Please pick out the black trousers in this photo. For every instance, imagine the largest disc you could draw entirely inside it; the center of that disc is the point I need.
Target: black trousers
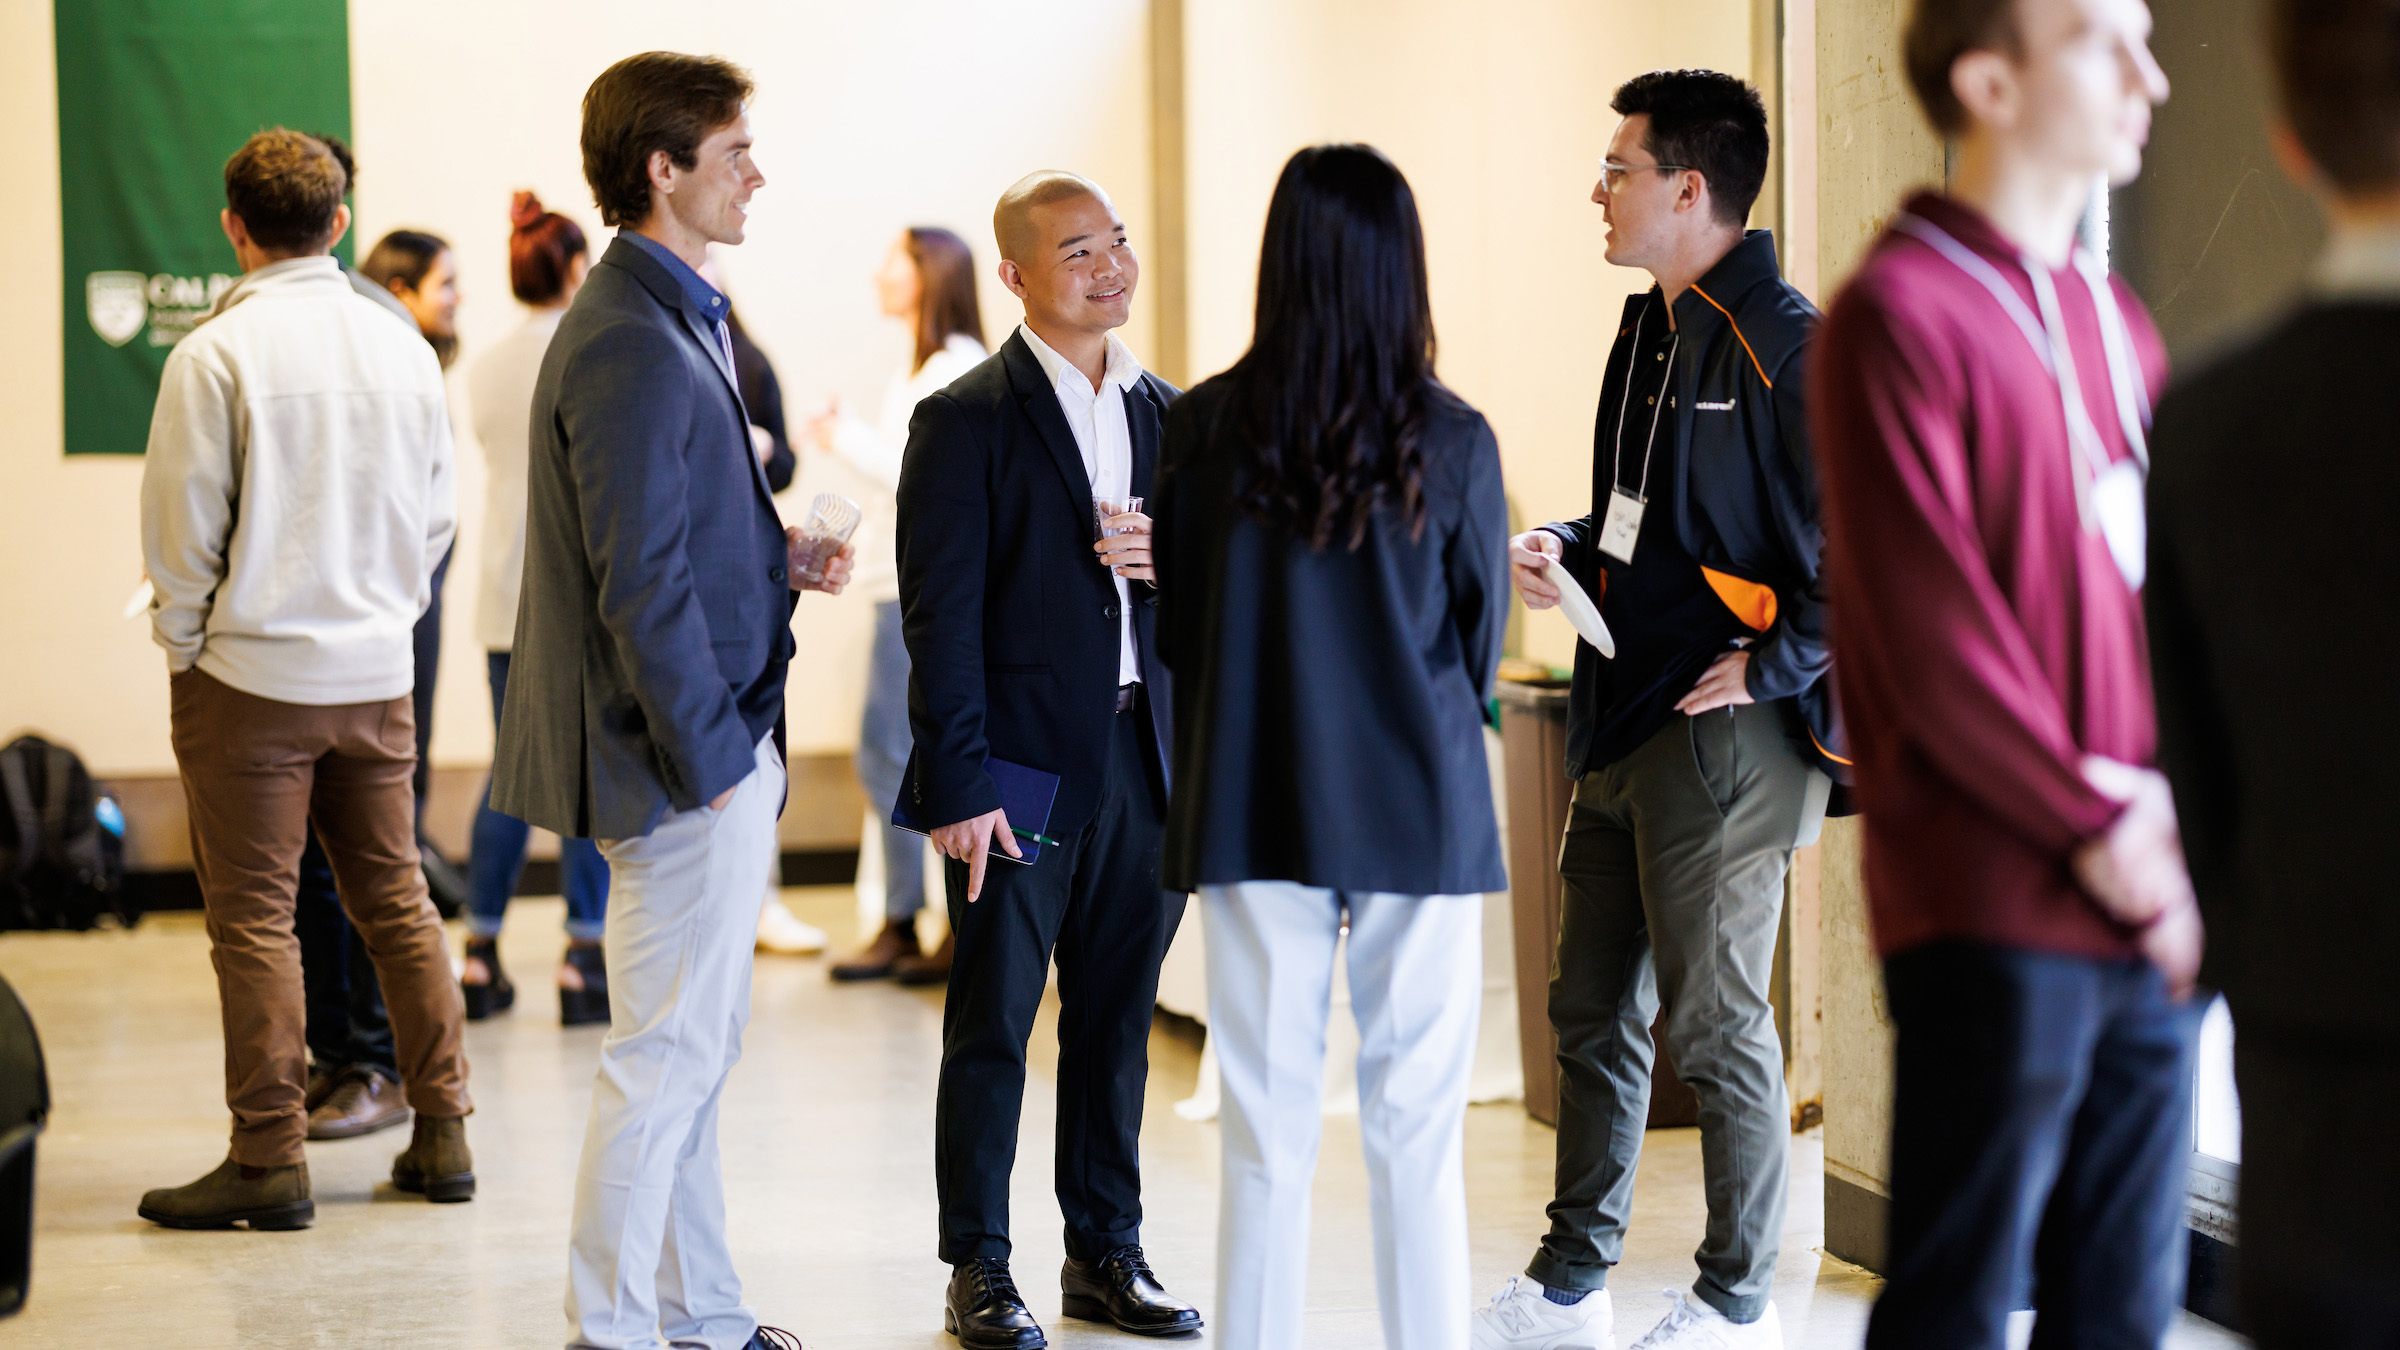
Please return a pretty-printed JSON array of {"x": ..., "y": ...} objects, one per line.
[
  {"x": 1095, "y": 904},
  {"x": 2041, "y": 1139},
  {"x": 347, "y": 1024},
  {"x": 2317, "y": 1247}
]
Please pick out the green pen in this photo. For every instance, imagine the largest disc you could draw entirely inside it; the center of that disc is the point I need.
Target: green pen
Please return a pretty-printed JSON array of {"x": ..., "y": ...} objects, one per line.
[{"x": 1037, "y": 838}]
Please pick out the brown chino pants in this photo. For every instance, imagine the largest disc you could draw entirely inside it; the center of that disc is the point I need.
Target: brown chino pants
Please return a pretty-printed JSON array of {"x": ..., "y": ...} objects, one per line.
[{"x": 256, "y": 773}]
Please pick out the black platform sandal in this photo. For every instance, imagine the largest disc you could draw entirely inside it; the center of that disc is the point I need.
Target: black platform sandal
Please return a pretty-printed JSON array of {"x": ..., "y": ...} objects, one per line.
[
  {"x": 495, "y": 994},
  {"x": 584, "y": 1005}
]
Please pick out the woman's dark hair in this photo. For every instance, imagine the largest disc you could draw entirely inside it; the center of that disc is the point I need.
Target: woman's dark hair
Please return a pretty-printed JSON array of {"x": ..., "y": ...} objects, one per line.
[
  {"x": 1333, "y": 395},
  {"x": 647, "y": 103},
  {"x": 405, "y": 254},
  {"x": 542, "y": 247},
  {"x": 946, "y": 300},
  {"x": 1705, "y": 120}
]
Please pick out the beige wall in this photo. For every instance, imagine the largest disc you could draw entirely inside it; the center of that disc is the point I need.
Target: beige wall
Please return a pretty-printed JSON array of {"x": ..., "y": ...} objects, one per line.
[
  {"x": 868, "y": 117},
  {"x": 1498, "y": 115},
  {"x": 1873, "y": 146}
]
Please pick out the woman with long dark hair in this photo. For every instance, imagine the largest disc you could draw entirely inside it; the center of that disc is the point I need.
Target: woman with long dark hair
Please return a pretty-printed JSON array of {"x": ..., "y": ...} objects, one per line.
[
  {"x": 927, "y": 281},
  {"x": 1333, "y": 584}
]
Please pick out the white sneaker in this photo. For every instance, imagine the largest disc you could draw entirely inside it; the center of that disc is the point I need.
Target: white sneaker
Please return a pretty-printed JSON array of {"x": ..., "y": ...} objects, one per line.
[
  {"x": 1693, "y": 1325},
  {"x": 1519, "y": 1318},
  {"x": 781, "y": 931}
]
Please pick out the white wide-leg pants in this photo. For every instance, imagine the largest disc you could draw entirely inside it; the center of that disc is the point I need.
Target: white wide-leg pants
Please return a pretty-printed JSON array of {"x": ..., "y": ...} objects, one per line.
[
  {"x": 1416, "y": 970},
  {"x": 647, "y": 1264}
]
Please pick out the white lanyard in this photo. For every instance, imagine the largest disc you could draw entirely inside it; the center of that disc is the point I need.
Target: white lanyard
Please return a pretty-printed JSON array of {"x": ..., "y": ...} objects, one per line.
[
  {"x": 1621, "y": 527},
  {"x": 2107, "y": 495}
]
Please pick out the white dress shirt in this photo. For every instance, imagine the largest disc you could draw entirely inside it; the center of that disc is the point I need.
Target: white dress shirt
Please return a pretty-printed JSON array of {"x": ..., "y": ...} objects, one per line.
[{"x": 1097, "y": 417}]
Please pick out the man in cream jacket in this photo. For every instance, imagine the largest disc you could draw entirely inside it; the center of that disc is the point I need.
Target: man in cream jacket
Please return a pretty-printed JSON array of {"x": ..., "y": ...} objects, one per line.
[{"x": 297, "y": 495}]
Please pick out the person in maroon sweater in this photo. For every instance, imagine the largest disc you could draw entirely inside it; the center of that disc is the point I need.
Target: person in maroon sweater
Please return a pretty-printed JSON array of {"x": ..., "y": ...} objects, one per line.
[{"x": 1981, "y": 395}]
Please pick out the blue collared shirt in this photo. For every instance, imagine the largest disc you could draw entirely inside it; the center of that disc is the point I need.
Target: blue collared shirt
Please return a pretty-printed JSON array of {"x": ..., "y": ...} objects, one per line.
[{"x": 710, "y": 301}]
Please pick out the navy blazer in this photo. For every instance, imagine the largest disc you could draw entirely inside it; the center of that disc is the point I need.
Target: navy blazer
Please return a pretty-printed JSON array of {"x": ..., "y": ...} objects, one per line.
[
  {"x": 1011, "y": 622},
  {"x": 1329, "y": 702},
  {"x": 654, "y": 627}
]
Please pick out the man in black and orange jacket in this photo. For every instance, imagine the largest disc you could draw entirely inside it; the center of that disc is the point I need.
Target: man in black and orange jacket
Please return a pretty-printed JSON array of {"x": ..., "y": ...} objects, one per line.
[{"x": 1701, "y": 749}]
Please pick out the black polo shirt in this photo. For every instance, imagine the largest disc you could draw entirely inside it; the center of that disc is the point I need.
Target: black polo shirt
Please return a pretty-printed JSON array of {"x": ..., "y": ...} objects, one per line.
[{"x": 1668, "y": 622}]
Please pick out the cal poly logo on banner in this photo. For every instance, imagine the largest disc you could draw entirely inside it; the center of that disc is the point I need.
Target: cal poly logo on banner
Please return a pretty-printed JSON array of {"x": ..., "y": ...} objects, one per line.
[
  {"x": 120, "y": 303},
  {"x": 116, "y": 305}
]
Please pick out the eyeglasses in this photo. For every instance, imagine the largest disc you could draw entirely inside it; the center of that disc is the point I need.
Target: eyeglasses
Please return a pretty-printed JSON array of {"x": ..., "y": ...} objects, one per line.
[{"x": 1614, "y": 172}]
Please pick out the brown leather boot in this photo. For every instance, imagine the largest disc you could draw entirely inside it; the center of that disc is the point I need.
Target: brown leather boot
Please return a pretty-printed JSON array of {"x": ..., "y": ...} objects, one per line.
[
  {"x": 437, "y": 1164},
  {"x": 897, "y": 942},
  {"x": 363, "y": 1101},
  {"x": 925, "y": 971},
  {"x": 266, "y": 1198}
]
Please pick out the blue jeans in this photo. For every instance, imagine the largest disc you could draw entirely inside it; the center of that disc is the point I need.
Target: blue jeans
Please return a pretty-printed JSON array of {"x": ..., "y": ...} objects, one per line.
[
  {"x": 499, "y": 857},
  {"x": 2041, "y": 1138},
  {"x": 883, "y": 745}
]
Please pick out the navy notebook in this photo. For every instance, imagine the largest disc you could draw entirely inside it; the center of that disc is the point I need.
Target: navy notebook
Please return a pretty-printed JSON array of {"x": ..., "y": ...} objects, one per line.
[{"x": 1025, "y": 794}]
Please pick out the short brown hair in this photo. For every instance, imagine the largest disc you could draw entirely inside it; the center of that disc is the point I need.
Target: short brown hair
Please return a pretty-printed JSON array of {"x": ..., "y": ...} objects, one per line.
[
  {"x": 286, "y": 187},
  {"x": 647, "y": 103},
  {"x": 2337, "y": 63},
  {"x": 1940, "y": 32}
]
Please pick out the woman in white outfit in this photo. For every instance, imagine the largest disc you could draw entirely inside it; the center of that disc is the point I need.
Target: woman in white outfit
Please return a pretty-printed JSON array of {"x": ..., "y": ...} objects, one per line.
[
  {"x": 1331, "y": 539},
  {"x": 547, "y": 260},
  {"x": 927, "y": 281}
]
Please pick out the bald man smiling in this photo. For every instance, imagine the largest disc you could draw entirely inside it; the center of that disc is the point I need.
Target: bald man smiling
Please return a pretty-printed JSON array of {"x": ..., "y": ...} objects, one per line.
[{"x": 1030, "y": 644}]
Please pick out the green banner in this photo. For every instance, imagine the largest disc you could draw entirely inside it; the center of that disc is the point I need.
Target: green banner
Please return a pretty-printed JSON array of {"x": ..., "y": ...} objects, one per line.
[{"x": 153, "y": 97}]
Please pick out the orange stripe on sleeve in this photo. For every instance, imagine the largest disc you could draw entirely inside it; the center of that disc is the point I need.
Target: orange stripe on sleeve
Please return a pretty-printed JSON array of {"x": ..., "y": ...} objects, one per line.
[{"x": 1737, "y": 332}]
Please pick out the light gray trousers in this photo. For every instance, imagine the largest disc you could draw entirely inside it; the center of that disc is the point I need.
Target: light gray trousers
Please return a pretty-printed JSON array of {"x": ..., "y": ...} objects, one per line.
[
  {"x": 1674, "y": 862},
  {"x": 647, "y": 1262}
]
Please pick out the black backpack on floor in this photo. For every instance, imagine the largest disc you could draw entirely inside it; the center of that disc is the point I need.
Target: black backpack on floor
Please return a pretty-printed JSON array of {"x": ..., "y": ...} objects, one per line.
[{"x": 62, "y": 843}]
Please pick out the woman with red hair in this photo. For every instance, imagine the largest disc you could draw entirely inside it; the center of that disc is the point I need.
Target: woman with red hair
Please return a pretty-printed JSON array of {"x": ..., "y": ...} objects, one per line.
[{"x": 547, "y": 259}]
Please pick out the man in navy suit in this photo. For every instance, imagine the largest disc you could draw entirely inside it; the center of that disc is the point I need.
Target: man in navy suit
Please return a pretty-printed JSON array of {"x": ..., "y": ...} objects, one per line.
[
  {"x": 645, "y": 702},
  {"x": 1030, "y": 641}
]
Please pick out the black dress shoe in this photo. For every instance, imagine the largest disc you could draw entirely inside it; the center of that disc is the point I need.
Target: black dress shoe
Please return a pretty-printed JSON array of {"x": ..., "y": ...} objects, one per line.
[
  {"x": 1119, "y": 1289},
  {"x": 984, "y": 1310}
]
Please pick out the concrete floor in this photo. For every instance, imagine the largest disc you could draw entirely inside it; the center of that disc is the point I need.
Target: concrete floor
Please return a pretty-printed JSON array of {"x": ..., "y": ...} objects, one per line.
[{"x": 828, "y": 1137}]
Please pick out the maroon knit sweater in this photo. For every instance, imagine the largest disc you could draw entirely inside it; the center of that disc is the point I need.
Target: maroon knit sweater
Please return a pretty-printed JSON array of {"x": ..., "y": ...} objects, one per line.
[{"x": 1983, "y": 641}]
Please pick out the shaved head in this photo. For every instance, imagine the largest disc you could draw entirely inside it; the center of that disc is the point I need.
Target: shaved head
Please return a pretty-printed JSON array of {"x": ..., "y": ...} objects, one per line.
[{"x": 1012, "y": 219}]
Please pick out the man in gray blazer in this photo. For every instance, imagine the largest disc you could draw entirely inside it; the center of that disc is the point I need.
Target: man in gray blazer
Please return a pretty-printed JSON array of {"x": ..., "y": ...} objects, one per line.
[{"x": 646, "y": 697}]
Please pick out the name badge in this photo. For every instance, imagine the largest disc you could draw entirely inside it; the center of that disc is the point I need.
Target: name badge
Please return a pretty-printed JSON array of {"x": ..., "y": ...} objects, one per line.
[
  {"x": 1622, "y": 526},
  {"x": 2124, "y": 521}
]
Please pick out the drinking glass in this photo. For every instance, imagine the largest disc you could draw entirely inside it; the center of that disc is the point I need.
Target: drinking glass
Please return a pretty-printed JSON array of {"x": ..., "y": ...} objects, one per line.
[
  {"x": 1105, "y": 507},
  {"x": 831, "y": 520}
]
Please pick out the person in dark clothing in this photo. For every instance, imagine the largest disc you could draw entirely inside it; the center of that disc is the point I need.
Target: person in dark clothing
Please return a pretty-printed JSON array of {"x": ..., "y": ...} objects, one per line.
[
  {"x": 1700, "y": 750},
  {"x": 1027, "y": 648},
  {"x": 1334, "y": 641},
  {"x": 762, "y": 396},
  {"x": 2271, "y": 536}
]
